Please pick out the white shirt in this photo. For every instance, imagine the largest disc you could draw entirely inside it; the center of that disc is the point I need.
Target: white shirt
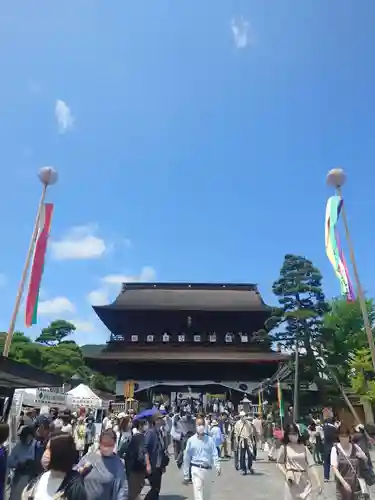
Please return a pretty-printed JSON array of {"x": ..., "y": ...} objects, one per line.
[
  {"x": 168, "y": 424},
  {"x": 107, "y": 424},
  {"x": 48, "y": 485},
  {"x": 68, "y": 429},
  {"x": 58, "y": 423},
  {"x": 319, "y": 429},
  {"x": 176, "y": 429},
  {"x": 258, "y": 424}
]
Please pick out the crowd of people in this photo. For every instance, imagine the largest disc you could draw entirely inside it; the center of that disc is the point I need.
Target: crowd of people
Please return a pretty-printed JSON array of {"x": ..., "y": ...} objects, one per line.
[
  {"x": 62, "y": 456},
  {"x": 59, "y": 455}
]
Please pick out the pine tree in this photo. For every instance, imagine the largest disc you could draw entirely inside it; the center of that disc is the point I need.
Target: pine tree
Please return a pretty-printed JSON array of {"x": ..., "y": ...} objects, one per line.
[
  {"x": 56, "y": 333},
  {"x": 299, "y": 319}
]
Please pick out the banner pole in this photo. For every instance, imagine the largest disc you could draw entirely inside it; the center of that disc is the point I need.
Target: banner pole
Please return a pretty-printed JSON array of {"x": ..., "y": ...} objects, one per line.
[
  {"x": 25, "y": 271},
  {"x": 47, "y": 176}
]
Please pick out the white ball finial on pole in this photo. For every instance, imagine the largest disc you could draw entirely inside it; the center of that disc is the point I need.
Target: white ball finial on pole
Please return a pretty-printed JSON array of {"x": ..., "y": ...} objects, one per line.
[
  {"x": 48, "y": 176},
  {"x": 336, "y": 178}
]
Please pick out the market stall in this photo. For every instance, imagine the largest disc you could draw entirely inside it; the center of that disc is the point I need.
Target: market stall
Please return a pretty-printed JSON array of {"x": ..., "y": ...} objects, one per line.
[{"x": 83, "y": 396}]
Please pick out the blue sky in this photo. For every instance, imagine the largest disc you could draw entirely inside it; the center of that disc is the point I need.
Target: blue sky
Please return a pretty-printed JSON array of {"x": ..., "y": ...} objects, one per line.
[{"x": 192, "y": 141}]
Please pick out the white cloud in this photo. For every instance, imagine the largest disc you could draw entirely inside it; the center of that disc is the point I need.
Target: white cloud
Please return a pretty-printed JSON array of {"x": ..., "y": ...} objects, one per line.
[
  {"x": 147, "y": 274},
  {"x": 3, "y": 280},
  {"x": 64, "y": 117},
  {"x": 83, "y": 326},
  {"x": 102, "y": 296},
  {"x": 240, "y": 30},
  {"x": 99, "y": 297},
  {"x": 80, "y": 243},
  {"x": 58, "y": 305}
]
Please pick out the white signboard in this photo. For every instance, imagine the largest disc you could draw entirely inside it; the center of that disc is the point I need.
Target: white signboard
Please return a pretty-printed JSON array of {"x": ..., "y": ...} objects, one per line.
[
  {"x": 85, "y": 402},
  {"x": 50, "y": 398}
]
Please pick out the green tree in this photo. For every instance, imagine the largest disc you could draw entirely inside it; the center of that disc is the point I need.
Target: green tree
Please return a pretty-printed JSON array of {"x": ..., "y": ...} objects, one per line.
[
  {"x": 18, "y": 337},
  {"x": 344, "y": 335},
  {"x": 56, "y": 333},
  {"x": 52, "y": 353},
  {"x": 299, "y": 319},
  {"x": 103, "y": 383},
  {"x": 28, "y": 353},
  {"x": 362, "y": 374},
  {"x": 23, "y": 349},
  {"x": 64, "y": 359}
]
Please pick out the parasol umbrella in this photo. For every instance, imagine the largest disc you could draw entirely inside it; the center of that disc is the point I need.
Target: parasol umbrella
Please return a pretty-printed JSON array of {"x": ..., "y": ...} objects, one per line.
[{"x": 149, "y": 413}]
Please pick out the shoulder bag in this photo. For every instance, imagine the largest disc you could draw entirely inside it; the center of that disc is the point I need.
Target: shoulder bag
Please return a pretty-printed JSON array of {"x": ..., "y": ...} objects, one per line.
[
  {"x": 364, "y": 492},
  {"x": 365, "y": 470}
]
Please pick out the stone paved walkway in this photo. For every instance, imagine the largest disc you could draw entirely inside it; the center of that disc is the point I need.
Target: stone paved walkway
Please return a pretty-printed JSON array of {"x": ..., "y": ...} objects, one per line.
[{"x": 266, "y": 483}]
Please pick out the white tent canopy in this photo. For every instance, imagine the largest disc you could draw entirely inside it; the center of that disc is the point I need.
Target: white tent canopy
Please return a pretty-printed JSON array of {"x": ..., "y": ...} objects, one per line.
[
  {"x": 82, "y": 395},
  {"x": 83, "y": 391}
]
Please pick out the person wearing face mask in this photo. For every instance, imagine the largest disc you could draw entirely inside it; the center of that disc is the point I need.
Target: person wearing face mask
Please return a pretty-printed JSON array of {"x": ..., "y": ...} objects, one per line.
[
  {"x": 345, "y": 462},
  {"x": 296, "y": 464},
  {"x": 59, "y": 479},
  {"x": 22, "y": 460},
  {"x": 156, "y": 457},
  {"x": 201, "y": 457},
  {"x": 135, "y": 461},
  {"x": 107, "y": 478}
]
